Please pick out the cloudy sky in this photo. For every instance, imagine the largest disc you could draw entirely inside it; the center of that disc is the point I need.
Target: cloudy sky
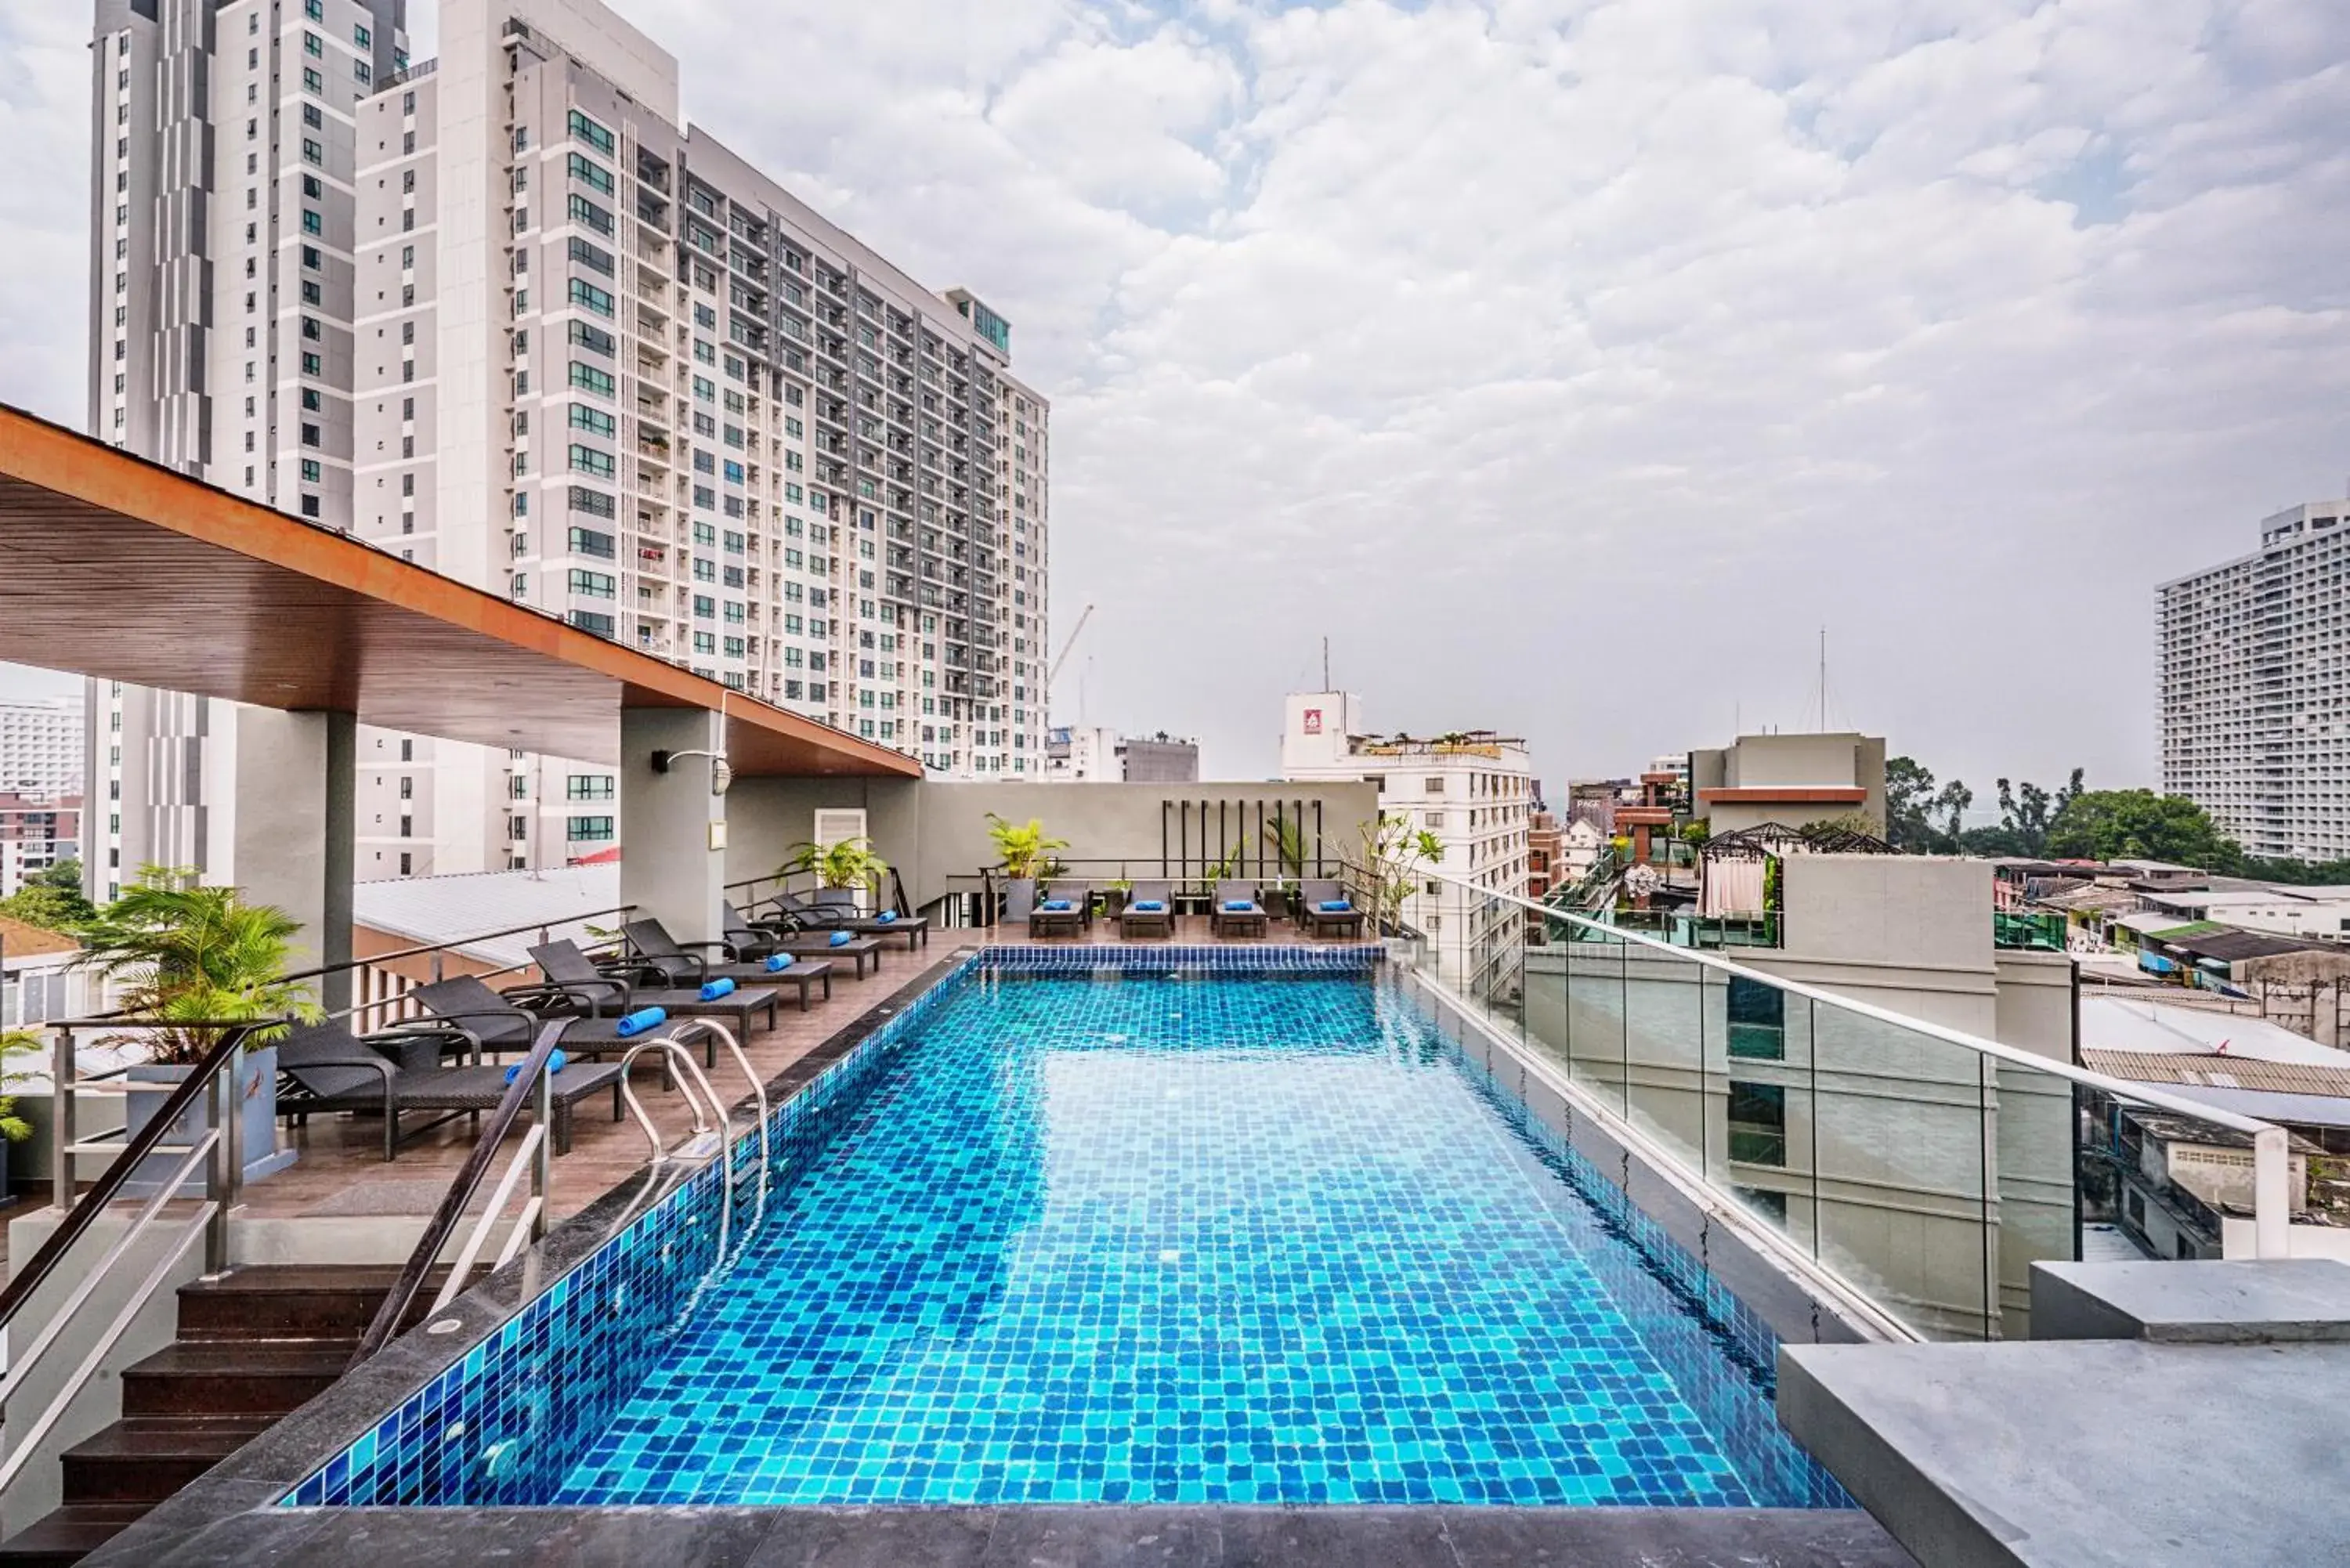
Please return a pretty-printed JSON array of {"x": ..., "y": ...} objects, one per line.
[{"x": 1567, "y": 363}]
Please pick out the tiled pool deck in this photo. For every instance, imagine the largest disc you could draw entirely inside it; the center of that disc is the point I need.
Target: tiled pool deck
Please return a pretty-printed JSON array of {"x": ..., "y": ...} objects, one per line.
[{"x": 211, "y": 1526}]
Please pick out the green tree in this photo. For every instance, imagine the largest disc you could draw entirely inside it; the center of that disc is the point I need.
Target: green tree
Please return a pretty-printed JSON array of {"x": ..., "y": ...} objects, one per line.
[
  {"x": 1920, "y": 819},
  {"x": 187, "y": 953},
  {"x": 2139, "y": 824},
  {"x": 50, "y": 900}
]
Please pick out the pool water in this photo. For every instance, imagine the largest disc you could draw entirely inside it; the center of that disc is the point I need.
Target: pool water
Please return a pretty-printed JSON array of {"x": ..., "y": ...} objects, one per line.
[{"x": 1165, "y": 1239}]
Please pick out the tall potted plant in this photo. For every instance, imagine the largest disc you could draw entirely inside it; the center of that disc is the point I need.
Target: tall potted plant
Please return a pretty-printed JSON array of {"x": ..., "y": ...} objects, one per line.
[
  {"x": 849, "y": 863},
  {"x": 184, "y": 955},
  {"x": 1026, "y": 853}
]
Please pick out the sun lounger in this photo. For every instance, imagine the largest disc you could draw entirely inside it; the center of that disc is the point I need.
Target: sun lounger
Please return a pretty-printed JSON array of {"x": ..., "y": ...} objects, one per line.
[
  {"x": 1058, "y": 914},
  {"x": 326, "y": 1067},
  {"x": 1322, "y": 907},
  {"x": 761, "y": 940},
  {"x": 615, "y": 995},
  {"x": 659, "y": 953},
  {"x": 1149, "y": 910},
  {"x": 1233, "y": 910}
]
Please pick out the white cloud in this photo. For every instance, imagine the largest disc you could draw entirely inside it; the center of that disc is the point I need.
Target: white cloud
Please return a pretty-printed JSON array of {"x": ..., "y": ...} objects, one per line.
[{"x": 1569, "y": 362}]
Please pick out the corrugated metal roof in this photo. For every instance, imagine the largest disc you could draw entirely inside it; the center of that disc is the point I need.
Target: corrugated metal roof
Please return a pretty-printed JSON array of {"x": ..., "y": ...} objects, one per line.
[
  {"x": 430, "y": 909},
  {"x": 2220, "y": 1072},
  {"x": 2144, "y": 1024}
]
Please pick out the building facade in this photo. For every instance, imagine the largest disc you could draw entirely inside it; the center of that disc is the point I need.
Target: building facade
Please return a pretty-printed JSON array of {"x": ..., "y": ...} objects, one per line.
[
  {"x": 1471, "y": 790},
  {"x": 1790, "y": 780},
  {"x": 2255, "y": 671},
  {"x": 41, "y": 746},
  {"x": 37, "y": 833},
  {"x": 1091, "y": 753},
  {"x": 504, "y": 314}
]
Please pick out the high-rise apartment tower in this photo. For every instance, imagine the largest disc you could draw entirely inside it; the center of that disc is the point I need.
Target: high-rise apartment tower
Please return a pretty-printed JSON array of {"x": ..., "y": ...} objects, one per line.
[
  {"x": 504, "y": 314},
  {"x": 2255, "y": 661}
]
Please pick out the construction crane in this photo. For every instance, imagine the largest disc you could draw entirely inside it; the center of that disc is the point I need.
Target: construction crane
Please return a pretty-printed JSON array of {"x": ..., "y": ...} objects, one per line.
[{"x": 1053, "y": 677}]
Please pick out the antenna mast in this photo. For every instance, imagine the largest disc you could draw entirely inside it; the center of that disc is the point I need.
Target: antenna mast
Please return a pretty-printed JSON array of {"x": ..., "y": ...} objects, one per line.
[
  {"x": 1824, "y": 680},
  {"x": 1326, "y": 664}
]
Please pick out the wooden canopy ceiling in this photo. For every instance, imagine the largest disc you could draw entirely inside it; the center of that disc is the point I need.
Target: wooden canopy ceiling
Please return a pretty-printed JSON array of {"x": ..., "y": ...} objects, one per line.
[{"x": 115, "y": 568}]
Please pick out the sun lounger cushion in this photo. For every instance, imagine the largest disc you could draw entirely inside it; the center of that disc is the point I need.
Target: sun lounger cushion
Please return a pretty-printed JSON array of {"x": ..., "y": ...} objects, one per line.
[
  {"x": 1239, "y": 907},
  {"x": 556, "y": 1062},
  {"x": 1055, "y": 905},
  {"x": 713, "y": 990},
  {"x": 779, "y": 963},
  {"x": 886, "y": 917},
  {"x": 1337, "y": 907},
  {"x": 840, "y": 939},
  {"x": 642, "y": 1021},
  {"x": 1149, "y": 906}
]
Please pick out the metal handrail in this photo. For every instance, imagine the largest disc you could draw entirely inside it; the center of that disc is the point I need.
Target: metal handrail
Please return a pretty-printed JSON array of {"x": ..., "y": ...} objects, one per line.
[
  {"x": 81, "y": 1214},
  {"x": 530, "y": 1155},
  {"x": 430, "y": 948},
  {"x": 28, "y": 1439},
  {"x": 2269, "y": 1142},
  {"x": 531, "y": 1078}
]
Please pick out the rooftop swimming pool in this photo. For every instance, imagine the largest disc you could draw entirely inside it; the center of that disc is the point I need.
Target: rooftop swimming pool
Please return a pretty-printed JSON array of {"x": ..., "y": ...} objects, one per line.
[{"x": 1120, "y": 1236}]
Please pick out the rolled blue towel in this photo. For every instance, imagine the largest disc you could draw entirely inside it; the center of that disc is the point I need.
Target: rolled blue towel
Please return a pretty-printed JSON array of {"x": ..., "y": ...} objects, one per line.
[
  {"x": 838, "y": 939},
  {"x": 780, "y": 962},
  {"x": 643, "y": 1021},
  {"x": 1238, "y": 906},
  {"x": 886, "y": 917},
  {"x": 556, "y": 1062},
  {"x": 1337, "y": 907},
  {"x": 712, "y": 989},
  {"x": 1149, "y": 906},
  {"x": 1055, "y": 906}
]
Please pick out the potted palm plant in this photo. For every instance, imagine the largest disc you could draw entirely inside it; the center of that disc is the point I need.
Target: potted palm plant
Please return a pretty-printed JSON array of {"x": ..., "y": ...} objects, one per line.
[
  {"x": 850, "y": 863},
  {"x": 184, "y": 954},
  {"x": 1026, "y": 854},
  {"x": 14, "y": 1128}
]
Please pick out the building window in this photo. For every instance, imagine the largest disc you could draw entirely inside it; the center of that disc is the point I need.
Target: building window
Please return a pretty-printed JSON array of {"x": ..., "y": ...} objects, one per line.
[
  {"x": 588, "y": 786},
  {"x": 588, "y": 171},
  {"x": 586, "y": 828},
  {"x": 588, "y": 131},
  {"x": 587, "y": 460},
  {"x": 1758, "y": 1020},
  {"x": 1758, "y": 1123}
]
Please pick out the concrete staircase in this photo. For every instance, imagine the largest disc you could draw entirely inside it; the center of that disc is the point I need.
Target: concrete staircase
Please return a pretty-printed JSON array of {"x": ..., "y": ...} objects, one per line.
[{"x": 253, "y": 1346}]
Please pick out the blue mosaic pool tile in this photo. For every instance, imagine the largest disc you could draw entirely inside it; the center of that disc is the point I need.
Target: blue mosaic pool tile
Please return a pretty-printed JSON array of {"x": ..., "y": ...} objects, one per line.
[
  {"x": 1079, "y": 959},
  {"x": 1183, "y": 1236}
]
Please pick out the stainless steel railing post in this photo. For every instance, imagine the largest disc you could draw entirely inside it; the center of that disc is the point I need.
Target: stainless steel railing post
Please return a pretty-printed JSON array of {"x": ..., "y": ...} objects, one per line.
[
  {"x": 542, "y": 1164},
  {"x": 61, "y": 1119},
  {"x": 227, "y": 1162}
]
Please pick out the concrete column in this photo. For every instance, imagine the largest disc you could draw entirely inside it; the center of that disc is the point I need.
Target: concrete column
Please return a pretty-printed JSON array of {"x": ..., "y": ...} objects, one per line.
[
  {"x": 294, "y": 818},
  {"x": 673, "y": 829}
]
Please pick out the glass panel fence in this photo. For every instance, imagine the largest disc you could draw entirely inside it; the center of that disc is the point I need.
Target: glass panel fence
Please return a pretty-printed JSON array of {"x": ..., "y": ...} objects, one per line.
[{"x": 1928, "y": 1174}]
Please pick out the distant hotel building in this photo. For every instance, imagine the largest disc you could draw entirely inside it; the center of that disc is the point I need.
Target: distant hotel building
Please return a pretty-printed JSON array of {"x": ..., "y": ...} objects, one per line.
[
  {"x": 506, "y": 315},
  {"x": 1474, "y": 790},
  {"x": 41, "y": 747},
  {"x": 2255, "y": 661}
]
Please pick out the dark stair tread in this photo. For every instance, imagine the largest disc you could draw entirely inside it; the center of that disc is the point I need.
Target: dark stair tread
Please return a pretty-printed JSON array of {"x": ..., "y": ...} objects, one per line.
[
  {"x": 66, "y": 1534},
  {"x": 272, "y": 1279},
  {"x": 249, "y": 1358},
  {"x": 152, "y": 1437}
]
